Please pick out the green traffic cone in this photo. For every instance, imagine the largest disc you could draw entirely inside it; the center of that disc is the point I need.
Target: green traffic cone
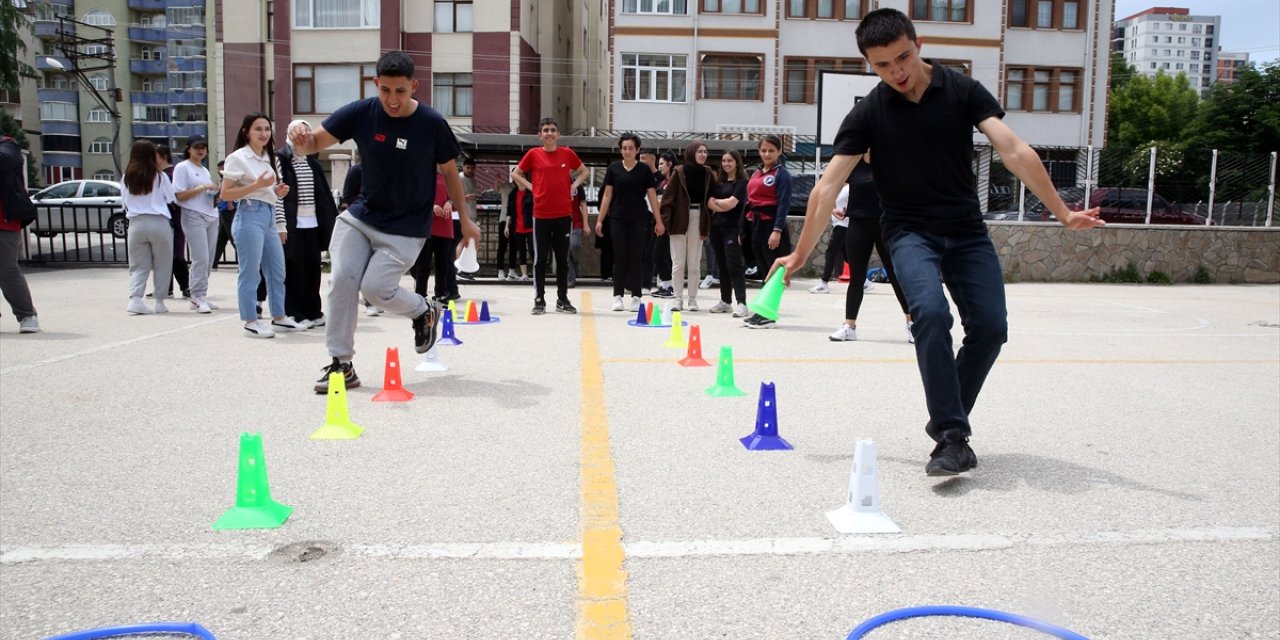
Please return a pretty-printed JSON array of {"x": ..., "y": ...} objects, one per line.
[
  {"x": 254, "y": 507},
  {"x": 724, "y": 386},
  {"x": 655, "y": 315},
  {"x": 766, "y": 302}
]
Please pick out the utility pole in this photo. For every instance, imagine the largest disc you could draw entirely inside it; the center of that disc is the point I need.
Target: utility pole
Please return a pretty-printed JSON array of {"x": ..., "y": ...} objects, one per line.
[{"x": 89, "y": 55}]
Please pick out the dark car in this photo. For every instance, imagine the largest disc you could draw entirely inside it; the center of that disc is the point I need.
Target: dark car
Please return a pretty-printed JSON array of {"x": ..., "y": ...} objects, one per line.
[{"x": 1125, "y": 205}]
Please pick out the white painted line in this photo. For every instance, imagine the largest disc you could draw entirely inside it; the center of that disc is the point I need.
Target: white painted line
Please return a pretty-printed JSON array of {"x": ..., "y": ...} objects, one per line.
[
  {"x": 112, "y": 345},
  {"x": 846, "y": 545}
]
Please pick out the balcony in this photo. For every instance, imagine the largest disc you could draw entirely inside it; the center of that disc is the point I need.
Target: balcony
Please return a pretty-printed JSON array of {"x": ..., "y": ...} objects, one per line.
[
  {"x": 149, "y": 98},
  {"x": 147, "y": 5},
  {"x": 169, "y": 130},
  {"x": 188, "y": 32},
  {"x": 186, "y": 65},
  {"x": 59, "y": 128},
  {"x": 52, "y": 63},
  {"x": 58, "y": 95},
  {"x": 184, "y": 129},
  {"x": 150, "y": 129},
  {"x": 148, "y": 67},
  {"x": 188, "y": 96},
  {"x": 147, "y": 34},
  {"x": 48, "y": 29}
]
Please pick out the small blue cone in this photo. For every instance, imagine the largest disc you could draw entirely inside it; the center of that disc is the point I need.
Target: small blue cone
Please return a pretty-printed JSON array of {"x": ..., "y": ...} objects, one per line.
[
  {"x": 766, "y": 436},
  {"x": 484, "y": 311},
  {"x": 642, "y": 318},
  {"x": 447, "y": 336}
]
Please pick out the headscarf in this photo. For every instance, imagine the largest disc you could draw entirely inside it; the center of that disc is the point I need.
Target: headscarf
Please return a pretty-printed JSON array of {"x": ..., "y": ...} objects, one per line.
[{"x": 289, "y": 129}]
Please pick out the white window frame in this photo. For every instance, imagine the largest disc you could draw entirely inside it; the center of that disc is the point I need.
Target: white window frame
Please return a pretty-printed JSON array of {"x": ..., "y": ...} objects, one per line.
[
  {"x": 99, "y": 18},
  {"x": 656, "y": 7},
  {"x": 651, "y": 72},
  {"x": 454, "y": 11},
  {"x": 97, "y": 114},
  {"x": 106, "y": 175},
  {"x": 368, "y": 13},
  {"x": 101, "y": 145},
  {"x": 67, "y": 110},
  {"x": 456, "y": 82}
]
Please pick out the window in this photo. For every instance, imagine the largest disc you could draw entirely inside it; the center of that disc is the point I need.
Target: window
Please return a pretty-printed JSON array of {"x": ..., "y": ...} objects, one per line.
[
  {"x": 1168, "y": 52},
  {"x": 187, "y": 48},
  {"x": 1182, "y": 26},
  {"x": 336, "y": 14},
  {"x": 1195, "y": 42},
  {"x": 1046, "y": 14},
  {"x": 827, "y": 9},
  {"x": 451, "y": 94},
  {"x": 1168, "y": 39},
  {"x": 98, "y": 114},
  {"x": 104, "y": 174},
  {"x": 100, "y": 18},
  {"x": 98, "y": 190},
  {"x": 188, "y": 113},
  {"x": 454, "y": 16},
  {"x": 1153, "y": 65},
  {"x": 661, "y": 7},
  {"x": 186, "y": 80},
  {"x": 154, "y": 85},
  {"x": 1155, "y": 39},
  {"x": 66, "y": 144},
  {"x": 727, "y": 76},
  {"x": 58, "y": 111},
  {"x": 1195, "y": 68},
  {"x": 185, "y": 15},
  {"x": 942, "y": 10},
  {"x": 151, "y": 53},
  {"x": 324, "y": 88},
  {"x": 100, "y": 82},
  {"x": 101, "y": 145},
  {"x": 1052, "y": 90},
  {"x": 94, "y": 50},
  {"x": 732, "y": 6},
  {"x": 1197, "y": 28},
  {"x": 654, "y": 77},
  {"x": 1208, "y": 29},
  {"x": 1208, "y": 43},
  {"x": 149, "y": 113},
  {"x": 1165, "y": 65},
  {"x": 1182, "y": 40},
  {"x": 1178, "y": 66},
  {"x": 802, "y": 76},
  {"x": 959, "y": 66}
]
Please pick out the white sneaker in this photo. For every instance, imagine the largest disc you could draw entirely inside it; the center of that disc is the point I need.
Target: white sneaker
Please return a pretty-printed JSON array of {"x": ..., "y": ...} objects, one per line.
[
  {"x": 676, "y": 306},
  {"x": 502, "y": 274},
  {"x": 867, "y": 286},
  {"x": 617, "y": 304},
  {"x": 370, "y": 310},
  {"x": 307, "y": 325},
  {"x": 708, "y": 282},
  {"x": 138, "y": 308},
  {"x": 287, "y": 324},
  {"x": 319, "y": 322},
  {"x": 911, "y": 337},
  {"x": 635, "y": 304},
  {"x": 693, "y": 305},
  {"x": 721, "y": 307},
  {"x": 739, "y": 310},
  {"x": 211, "y": 305},
  {"x": 29, "y": 324},
  {"x": 821, "y": 287},
  {"x": 160, "y": 308},
  {"x": 258, "y": 329},
  {"x": 201, "y": 306},
  {"x": 845, "y": 333}
]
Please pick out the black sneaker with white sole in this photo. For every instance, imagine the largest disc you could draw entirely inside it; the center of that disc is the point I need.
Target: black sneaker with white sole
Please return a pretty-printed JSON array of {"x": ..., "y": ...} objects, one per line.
[
  {"x": 539, "y": 306},
  {"x": 425, "y": 326},
  {"x": 951, "y": 458},
  {"x": 758, "y": 321},
  {"x": 564, "y": 306},
  {"x": 349, "y": 377}
]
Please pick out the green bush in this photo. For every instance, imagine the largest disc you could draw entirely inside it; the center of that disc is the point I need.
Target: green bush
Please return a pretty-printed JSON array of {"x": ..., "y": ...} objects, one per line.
[
  {"x": 1159, "y": 277},
  {"x": 1128, "y": 275},
  {"x": 1202, "y": 276}
]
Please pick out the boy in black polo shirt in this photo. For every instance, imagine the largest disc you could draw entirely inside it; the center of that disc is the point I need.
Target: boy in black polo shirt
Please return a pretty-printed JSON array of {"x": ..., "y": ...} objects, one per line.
[{"x": 918, "y": 123}]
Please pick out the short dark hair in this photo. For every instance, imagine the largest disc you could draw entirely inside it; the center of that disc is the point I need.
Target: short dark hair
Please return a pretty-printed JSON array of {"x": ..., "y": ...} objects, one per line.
[
  {"x": 771, "y": 139},
  {"x": 629, "y": 136},
  {"x": 546, "y": 121},
  {"x": 395, "y": 64},
  {"x": 882, "y": 27},
  {"x": 644, "y": 151},
  {"x": 468, "y": 161}
]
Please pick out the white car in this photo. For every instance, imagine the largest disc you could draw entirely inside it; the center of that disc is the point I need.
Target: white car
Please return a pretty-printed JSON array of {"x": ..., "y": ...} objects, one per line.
[{"x": 80, "y": 206}]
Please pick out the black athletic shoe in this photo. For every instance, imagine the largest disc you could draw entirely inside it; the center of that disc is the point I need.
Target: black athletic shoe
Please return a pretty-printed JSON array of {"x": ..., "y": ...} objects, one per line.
[
  {"x": 348, "y": 372},
  {"x": 425, "y": 326},
  {"x": 951, "y": 458},
  {"x": 539, "y": 306},
  {"x": 664, "y": 292},
  {"x": 564, "y": 306},
  {"x": 758, "y": 321}
]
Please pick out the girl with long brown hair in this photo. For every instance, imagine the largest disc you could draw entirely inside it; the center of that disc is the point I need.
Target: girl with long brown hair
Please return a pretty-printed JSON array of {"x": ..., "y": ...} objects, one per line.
[{"x": 147, "y": 194}]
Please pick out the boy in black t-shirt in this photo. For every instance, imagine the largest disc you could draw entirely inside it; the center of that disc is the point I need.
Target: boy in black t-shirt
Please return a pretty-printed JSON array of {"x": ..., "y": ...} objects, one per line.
[
  {"x": 918, "y": 123},
  {"x": 403, "y": 143}
]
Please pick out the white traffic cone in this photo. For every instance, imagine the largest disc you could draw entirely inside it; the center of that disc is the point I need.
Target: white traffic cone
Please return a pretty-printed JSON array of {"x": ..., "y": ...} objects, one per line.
[
  {"x": 667, "y": 310},
  {"x": 430, "y": 362},
  {"x": 862, "y": 513},
  {"x": 466, "y": 263}
]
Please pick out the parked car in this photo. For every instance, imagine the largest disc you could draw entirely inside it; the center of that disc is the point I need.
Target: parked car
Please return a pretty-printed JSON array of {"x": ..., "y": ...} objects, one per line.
[
  {"x": 1126, "y": 205},
  {"x": 80, "y": 206}
]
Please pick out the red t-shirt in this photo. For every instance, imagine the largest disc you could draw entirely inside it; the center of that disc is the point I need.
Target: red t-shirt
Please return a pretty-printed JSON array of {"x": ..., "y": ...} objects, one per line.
[
  {"x": 441, "y": 226},
  {"x": 551, "y": 180}
]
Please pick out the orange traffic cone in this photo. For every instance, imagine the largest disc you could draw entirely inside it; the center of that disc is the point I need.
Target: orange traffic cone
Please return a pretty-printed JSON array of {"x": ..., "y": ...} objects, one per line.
[
  {"x": 844, "y": 276},
  {"x": 392, "y": 389},
  {"x": 694, "y": 356},
  {"x": 473, "y": 314}
]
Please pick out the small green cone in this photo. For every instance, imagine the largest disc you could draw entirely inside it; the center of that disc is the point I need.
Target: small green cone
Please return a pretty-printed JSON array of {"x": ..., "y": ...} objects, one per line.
[
  {"x": 724, "y": 386},
  {"x": 770, "y": 296},
  {"x": 254, "y": 507},
  {"x": 676, "y": 341},
  {"x": 655, "y": 317}
]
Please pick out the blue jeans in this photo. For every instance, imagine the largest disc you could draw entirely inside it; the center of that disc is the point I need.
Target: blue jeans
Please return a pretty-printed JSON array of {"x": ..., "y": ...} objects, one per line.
[
  {"x": 971, "y": 270},
  {"x": 258, "y": 248}
]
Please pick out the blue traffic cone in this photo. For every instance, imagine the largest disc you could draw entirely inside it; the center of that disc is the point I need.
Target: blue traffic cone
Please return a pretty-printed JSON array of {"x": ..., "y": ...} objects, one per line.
[
  {"x": 642, "y": 316},
  {"x": 484, "y": 311},
  {"x": 447, "y": 336},
  {"x": 766, "y": 436}
]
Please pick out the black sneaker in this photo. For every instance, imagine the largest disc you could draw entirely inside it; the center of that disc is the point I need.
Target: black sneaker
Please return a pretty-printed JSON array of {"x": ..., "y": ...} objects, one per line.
[
  {"x": 348, "y": 376},
  {"x": 539, "y": 306},
  {"x": 664, "y": 292},
  {"x": 564, "y": 306},
  {"x": 757, "y": 321},
  {"x": 425, "y": 325},
  {"x": 951, "y": 458}
]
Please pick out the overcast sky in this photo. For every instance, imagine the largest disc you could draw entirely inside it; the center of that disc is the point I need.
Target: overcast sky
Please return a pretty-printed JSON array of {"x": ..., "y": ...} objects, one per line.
[{"x": 1251, "y": 26}]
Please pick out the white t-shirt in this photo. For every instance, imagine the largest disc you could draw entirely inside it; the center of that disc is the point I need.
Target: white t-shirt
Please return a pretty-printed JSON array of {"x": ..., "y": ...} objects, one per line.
[
  {"x": 154, "y": 203},
  {"x": 243, "y": 168},
  {"x": 189, "y": 175},
  {"x": 842, "y": 203}
]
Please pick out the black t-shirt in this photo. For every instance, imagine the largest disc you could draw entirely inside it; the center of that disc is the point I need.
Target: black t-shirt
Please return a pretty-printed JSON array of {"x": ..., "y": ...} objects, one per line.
[
  {"x": 630, "y": 190},
  {"x": 923, "y": 152},
  {"x": 399, "y": 158},
  {"x": 736, "y": 189},
  {"x": 695, "y": 183},
  {"x": 864, "y": 200}
]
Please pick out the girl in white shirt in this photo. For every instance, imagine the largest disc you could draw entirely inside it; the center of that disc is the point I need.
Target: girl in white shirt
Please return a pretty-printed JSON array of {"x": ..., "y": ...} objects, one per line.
[
  {"x": 194, "y": 189},
  {"x": 147, "y": 194},
  {"x": 251, "y": 177}
]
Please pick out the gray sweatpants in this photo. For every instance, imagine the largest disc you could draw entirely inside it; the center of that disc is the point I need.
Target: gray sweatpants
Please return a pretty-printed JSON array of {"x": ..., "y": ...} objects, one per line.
[
  {"x": 12, "y": 283},
  {"x": 369, "y": 262},
  {"x": 202, "y": 234},
  {"x": 150, "y": 250}
]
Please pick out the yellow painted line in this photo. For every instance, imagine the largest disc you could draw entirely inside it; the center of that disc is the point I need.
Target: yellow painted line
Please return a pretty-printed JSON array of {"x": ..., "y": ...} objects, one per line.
[
  {"x": 913, "y": 361},
  {"x": 602, "y": 580}
]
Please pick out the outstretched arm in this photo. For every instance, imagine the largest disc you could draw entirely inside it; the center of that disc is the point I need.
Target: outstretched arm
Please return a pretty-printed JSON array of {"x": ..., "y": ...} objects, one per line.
[
  {"x": 1025, "y": 163},
  {"x": 306, "y": 143},
  {"x": 817, "y": 214}
]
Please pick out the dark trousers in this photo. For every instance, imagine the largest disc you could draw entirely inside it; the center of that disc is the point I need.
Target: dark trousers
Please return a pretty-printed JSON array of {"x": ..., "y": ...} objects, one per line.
[
  {"x": 628, "y": 238},
  {"x": 971, "y": 270},
  {"x": 520, "y": 248},
  {"x": 551, "y": 236},
  {"x": 835, "y": 254},
  {"x": 181, "y": 273},
  {"x": 748, "y": 241},
  {"x": 863, "y": 234},
  {"x": 503, "y": 243},
  {"x": 657, "y": 257},
  {"x": 302, "y": 275},
  {"x": 438, "y": 253},
  {"x": 224, "y": 236},
  {"x": 605, "y": 243},
  {"x": 728, "y": 254},
  {"x": 764, "y": 255}
]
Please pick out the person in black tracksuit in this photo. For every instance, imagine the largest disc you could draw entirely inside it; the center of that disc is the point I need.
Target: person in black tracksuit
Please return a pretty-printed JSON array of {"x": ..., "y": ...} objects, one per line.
[{"x": 727, "y": 204}]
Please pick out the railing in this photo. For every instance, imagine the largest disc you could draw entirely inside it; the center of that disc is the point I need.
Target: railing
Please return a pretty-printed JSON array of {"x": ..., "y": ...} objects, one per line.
[{"x": 78, "y": 234}]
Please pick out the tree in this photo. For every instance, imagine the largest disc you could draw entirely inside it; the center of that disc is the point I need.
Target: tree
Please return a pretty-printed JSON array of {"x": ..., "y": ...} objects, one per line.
[
  {"x": 13, "y": 23},
  {"x": 1243, "y": 116},
  {"x": 1144, "y": 110}
]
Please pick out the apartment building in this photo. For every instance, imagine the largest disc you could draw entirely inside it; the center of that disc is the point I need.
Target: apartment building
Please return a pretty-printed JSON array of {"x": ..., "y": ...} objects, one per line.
[
  {"x": 704, "y": 65},
  {"x": 1171, "y": 40},
  {"x": 1229, "y": 63},
  {"x": 158, "y": 83}
]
